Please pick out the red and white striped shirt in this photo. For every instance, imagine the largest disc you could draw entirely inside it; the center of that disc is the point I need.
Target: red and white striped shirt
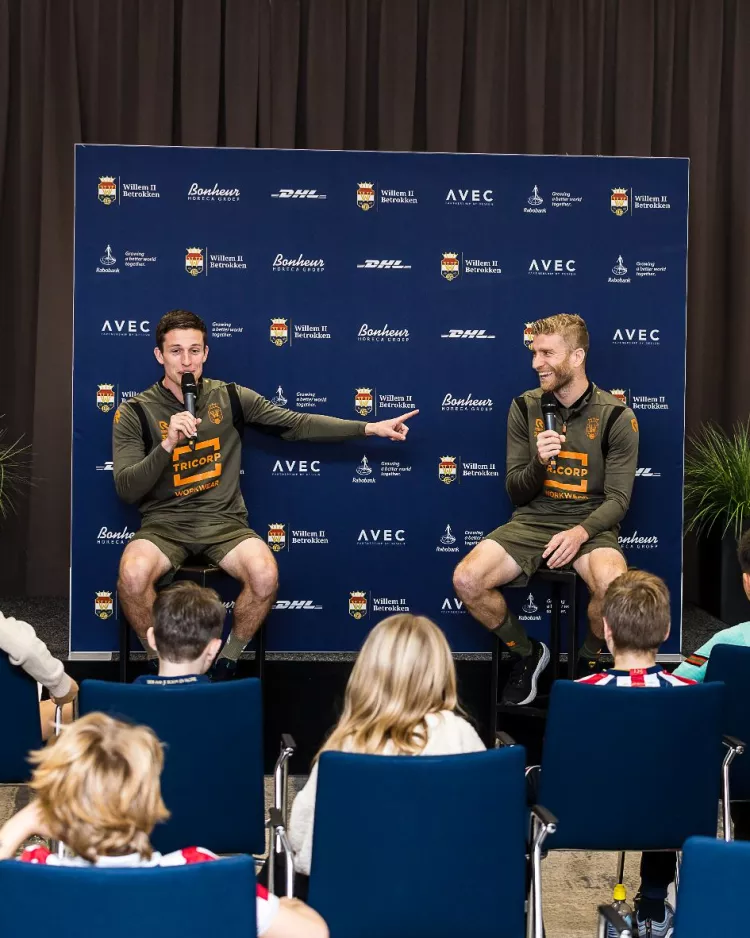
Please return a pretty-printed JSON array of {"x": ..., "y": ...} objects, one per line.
[
  {"x": 654, "y": 676},
  {"x": 266, "y": 904}
]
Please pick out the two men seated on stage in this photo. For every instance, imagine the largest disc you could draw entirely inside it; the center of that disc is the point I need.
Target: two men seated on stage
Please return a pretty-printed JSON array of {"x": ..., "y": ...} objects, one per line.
[
  {"x": 570, "y": 486},
  {"x": 183, "y": 472}
]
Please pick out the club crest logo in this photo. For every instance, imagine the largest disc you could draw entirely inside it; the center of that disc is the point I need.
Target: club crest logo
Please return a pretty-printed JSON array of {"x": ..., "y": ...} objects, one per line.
[
  {"x": 365, "y": 196},
  {"x": 118, "y": 414},
  {"x": 592, "y": 427},
  {"x": 447, "y": 469},
  {"x": 528, "y": 334},
  {"x": 104, "y": 604},
  {"x": 357, "y": 604},
  {"x": 363, "y": 401},
  {"x": 276, "y": 536},
  {"x": 634, "y": 425},
  {"x": 279, "y": 332},
  {"x": 107, "y": 190},
  {"x": 215, "y": 413},
  {"x": 163, "y": 429},
  {"x": 105, "y": 397},
  {"x": 449, "y": 266},
  {"x": 620, "y": 394},
  {"x": 194, "y": 261},
  {"x": 618, "y": 201},
  {"x": 538, "y": 426}
]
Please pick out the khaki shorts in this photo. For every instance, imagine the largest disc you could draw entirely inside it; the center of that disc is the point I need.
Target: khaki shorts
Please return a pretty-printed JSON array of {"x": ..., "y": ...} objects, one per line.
[
  {"x": 525, "y": 542},
  {"x": 225, "y": 538}
]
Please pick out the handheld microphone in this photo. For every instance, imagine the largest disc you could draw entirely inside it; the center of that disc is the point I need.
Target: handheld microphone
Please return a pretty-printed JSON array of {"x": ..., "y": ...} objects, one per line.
[
  {"x": 549, "y": 410},
  {"x": 189, "y": 394}
]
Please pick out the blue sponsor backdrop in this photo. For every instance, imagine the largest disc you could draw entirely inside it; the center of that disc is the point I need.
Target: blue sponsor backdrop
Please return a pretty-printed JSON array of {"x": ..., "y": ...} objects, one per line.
[{"x": 332, "y": 281}]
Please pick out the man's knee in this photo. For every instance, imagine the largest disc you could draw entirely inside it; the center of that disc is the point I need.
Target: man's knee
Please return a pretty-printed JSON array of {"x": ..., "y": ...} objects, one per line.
[
  {"x": 137, "y": 574},
  {"x": 467, "y": 583},
  {"x": 262, "y": 579}
]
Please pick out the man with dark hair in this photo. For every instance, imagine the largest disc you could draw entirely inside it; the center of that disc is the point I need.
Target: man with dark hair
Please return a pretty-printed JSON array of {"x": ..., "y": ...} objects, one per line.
[
  {"x": 695, "y": 665},
  {"x": 183, "y": 472},
  {"x": 186, "y": 634},
  {"x": 568, "y": 501},
  {"x": 636, "y": 622}
]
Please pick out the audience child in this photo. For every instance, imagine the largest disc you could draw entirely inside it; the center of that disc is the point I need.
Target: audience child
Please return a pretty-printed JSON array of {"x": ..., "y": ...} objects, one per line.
[
  {"x": 401, "y": 699},
  {"x": 186, "y": 634},
  {"x": 24, "y": 649},
  {"x": 695, "y": 666},
  {"x": 98, "y": 792},
  {"x": 636, "y": 622}
]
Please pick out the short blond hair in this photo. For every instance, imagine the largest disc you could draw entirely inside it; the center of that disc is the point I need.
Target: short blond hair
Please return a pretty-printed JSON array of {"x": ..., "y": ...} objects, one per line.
[
  {"x": 568, "y": 325},
  {"x": 98, "y": 786},
  {"x": 636, "y": 607},
  {"x": 404, "y": 672}
]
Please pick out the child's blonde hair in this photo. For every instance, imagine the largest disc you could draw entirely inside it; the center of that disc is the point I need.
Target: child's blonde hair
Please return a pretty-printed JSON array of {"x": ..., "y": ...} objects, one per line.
[
  {"x": 98, "y": 786},
  {"x": 404, "y": 672}
]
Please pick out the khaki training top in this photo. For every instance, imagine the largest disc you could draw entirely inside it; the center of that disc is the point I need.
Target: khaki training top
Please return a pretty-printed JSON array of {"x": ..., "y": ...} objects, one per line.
[
  {"x": 167, "y": 486},
  {"x": 582, "y": 485}
]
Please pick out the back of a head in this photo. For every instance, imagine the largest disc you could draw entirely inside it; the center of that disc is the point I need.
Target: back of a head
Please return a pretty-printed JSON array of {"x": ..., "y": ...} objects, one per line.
[
  {"x": 403, "y": 672},
  {"x": 636, "y": 608},
  {"x": 98, "y": 786},
  {"x": 186, "y": 618},
  {"x": 743, "y": 552}
]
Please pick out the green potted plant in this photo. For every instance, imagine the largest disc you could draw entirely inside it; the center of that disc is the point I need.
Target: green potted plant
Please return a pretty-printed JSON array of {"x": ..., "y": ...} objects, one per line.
[
  {"x": 15, "y": 472},
  {"x": 717, "y": 501}
]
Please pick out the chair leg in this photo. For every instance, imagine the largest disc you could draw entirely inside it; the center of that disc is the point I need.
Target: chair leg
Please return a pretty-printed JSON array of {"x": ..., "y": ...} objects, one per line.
[
  {"x": 620, "y": 866},
  {"x": 572, "y": 631},
  {"x": 493, "y": 691},
  {"x": 260, "y": 653},
  {"x": 124, "y": 648},
  {"x": 554, "y": 639}
]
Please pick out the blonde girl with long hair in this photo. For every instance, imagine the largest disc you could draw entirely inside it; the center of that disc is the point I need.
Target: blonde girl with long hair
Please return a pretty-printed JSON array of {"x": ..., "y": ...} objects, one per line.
[{"x": 400, "y": 699}]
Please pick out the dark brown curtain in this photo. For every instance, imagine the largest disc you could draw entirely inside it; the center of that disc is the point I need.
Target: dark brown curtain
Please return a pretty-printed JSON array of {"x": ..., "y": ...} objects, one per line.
[{"x": 630, "y": 77}]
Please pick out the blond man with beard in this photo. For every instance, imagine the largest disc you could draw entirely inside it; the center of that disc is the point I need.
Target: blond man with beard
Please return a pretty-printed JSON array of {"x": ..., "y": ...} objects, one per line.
[{"x": 570, "y": 487}]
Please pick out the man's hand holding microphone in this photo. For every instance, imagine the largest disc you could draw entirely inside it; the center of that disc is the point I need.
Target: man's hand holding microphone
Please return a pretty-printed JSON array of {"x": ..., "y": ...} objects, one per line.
[{"x": 184, "y": 426}]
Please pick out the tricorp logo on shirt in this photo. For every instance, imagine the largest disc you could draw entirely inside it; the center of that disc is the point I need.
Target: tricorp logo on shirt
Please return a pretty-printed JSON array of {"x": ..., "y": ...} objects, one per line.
[
  {"x": 567, "y": 476},
  {"x": 199, "y": 464}
]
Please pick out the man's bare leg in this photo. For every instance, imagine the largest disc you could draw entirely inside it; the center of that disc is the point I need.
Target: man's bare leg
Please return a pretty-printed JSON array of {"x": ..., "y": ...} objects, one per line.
[
  {"x": 252, "y": 563},
  {"x": 597, "y": 569},
  {"x": 141, "y": 565}
]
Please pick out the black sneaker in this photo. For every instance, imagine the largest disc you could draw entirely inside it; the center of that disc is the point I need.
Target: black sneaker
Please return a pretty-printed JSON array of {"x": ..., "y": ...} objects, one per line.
[
  {"x": 224, "y": 669},
  {"x": 521, "y": 686}
]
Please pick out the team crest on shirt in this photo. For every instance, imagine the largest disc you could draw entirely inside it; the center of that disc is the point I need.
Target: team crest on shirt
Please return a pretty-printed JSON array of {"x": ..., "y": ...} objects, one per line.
[
  {"x": 447, "y": 469},
  {"x": 107, "y": 190},
  {"x": 279, "y": 332},
  {"x": 215, "y": 413},
  {"x": 194, "y": 261},
  {"x": 276, "y": 536},
  {"x": 634, "y": 425},
  {"x": 117, "y": 415},
  {"x": 366, "y": 196},
  {"x": 105, "y": 397},
  {"x": 104, "y": 604},
  {"x": 363, "y": 401},
  {"x": 357, "y": 604},
  {"x": 592, "y": 427},
  {"x": 449, "y": 266}
]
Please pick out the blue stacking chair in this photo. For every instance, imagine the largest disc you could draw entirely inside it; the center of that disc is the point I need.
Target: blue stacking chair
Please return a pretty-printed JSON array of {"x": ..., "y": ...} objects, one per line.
[
  {"x": 730, "y": 664},
  {"x": 19, "y": 697},
  {"x": 213, "y": 763},
  {"x": 424, "y": 846},
  {"x": 169, "y": 902}
]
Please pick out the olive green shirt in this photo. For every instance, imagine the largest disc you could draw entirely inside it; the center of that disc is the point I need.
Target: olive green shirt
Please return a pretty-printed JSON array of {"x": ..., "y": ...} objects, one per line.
[
  {"x": 591, "y": 480},
  {"x": 175, "y": 488}
]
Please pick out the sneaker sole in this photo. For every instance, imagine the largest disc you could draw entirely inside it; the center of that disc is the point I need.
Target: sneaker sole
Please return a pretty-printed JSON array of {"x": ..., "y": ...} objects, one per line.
[{"x": 543, "y": 662}]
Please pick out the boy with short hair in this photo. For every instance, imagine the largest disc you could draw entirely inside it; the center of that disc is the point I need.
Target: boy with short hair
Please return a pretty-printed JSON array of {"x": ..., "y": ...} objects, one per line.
[
  {"x": 636, "y": 622},
  {"x": 695, "y": 666},
  {"x": 186, "y": 634}
]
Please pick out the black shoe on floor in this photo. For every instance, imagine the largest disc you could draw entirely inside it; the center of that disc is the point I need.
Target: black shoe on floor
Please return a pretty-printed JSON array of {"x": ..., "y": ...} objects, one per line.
[
  {"x": 585, "y": 667},
  {"x": 521, "y": 686},
  {"x": 224, "y": 669}
]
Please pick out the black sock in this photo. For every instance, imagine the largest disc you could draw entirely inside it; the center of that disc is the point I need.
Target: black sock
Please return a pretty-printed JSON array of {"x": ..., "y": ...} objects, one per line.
[
  {"x": 591, "y": 647},
  {"x": 511, "y": 633}
]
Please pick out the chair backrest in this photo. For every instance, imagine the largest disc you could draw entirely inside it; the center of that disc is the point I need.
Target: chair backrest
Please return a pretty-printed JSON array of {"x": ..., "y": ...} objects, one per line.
[
  {"x": 420, "y": 846},
  {"x": 632, "y": 768},
  {"x": 731, "y": 665},
  {"x": 711, "y": 896},
  {"x": 168, "y": 902},
  {"x": 212, "y": 781},
  {"x": 22, "y": 729}
]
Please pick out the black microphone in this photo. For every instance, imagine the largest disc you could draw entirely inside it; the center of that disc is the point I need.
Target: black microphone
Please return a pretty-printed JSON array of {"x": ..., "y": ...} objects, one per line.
[
  {"x": 189, "y": 395},
  {"x": 549, "y": 410}
]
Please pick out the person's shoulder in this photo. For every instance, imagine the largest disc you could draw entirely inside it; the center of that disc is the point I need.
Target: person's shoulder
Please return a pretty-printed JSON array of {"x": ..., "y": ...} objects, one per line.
[
  {"x": 599, "y": 679},
  {"x": 532, "y": 395},
  {"x": 675, "y": 680},
  {"x": 150, "y": 395},
  {"x": 185, "y": 857}
]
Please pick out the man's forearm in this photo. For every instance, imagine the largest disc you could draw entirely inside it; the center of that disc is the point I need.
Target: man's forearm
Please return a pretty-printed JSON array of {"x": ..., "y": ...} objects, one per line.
[
  {"x": 134, "y": 482},
  {"x": 605, "y": 517},
  {"x": 525, "y": 483},
  {"x": 317, "y": 428}
]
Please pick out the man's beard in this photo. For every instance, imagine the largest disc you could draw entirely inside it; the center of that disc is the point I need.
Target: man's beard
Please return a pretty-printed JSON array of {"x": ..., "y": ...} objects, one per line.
[{"x": 559, "y": 380}]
